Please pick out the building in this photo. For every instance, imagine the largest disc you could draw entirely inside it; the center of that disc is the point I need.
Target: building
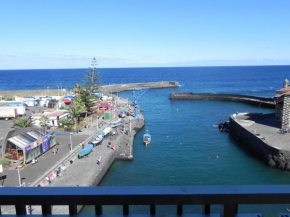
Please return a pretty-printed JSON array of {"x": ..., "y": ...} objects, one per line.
[
  {"x": 282, "y": 107},
  {"x": 27, "y": 143},
  {"x": 19, "y": 106},
  {"x": 54, "y": 117}
]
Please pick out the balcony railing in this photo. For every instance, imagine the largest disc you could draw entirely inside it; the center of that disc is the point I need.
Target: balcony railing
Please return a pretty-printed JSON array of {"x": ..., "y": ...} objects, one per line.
[{"x": 229, "y": 197}]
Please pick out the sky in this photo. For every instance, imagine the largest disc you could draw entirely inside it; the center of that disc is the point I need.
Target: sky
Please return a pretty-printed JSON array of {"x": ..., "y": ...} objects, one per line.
[{"x": 143, "y": 33}]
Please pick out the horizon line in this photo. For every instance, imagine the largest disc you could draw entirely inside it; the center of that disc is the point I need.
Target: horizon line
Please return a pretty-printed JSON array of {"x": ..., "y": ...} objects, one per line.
[{"x": 146, "y": 67}]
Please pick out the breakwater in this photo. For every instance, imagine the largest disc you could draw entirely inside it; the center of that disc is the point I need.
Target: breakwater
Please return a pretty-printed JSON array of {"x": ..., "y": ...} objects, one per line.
[
  {"x": 261, "y": 136},
  {"x": 252, "y": 100},
  {"x": 114, "y": 88}
]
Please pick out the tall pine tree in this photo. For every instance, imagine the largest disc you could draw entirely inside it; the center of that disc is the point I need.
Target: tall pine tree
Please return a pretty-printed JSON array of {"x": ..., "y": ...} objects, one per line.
[{"x": 92, "y": 80}]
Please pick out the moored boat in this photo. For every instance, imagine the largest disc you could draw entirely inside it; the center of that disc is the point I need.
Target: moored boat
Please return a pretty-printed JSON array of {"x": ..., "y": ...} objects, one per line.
[
  {"x": 117, "y": 123},
  {"x": 85, "y": 151},
  {"x": 147, "y": 138},
  {"x": 122, "y": 113},
  {"x": 97, "y": 140}
]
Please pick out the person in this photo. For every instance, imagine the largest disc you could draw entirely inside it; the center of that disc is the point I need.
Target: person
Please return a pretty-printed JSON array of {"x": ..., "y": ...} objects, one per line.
[
  {"x": 57, "y": 150},
  {"x": 34, "y": 161},
  {"x": 99, "y": 160},
  {"x": 58, "y": 172}
]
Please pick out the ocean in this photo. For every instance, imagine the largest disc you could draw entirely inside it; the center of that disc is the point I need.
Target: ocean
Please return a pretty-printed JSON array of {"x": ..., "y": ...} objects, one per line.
[{"x": 186, "y": 148}]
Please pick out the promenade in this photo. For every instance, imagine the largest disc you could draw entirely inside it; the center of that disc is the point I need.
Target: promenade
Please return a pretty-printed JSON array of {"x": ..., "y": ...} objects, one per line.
[{"x": 79, "y": 172}]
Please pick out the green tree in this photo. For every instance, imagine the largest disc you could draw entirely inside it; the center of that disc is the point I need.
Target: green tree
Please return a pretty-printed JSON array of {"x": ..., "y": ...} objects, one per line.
[
  {"x": 88, "y": 100},
  {"x": 22, "y": 122},
  {"x": 92, "y": 80},
  {"x": 43, "y": 121},
  {"x": 77, "y": 88},
  {"x": 65, "y": 122},
  {"x": 76, "y": 109}
]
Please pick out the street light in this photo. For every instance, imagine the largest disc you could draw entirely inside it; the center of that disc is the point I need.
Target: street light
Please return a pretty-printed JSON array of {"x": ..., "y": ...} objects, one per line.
[
  {"x": 19, "y": 178},
  {"x": 70, "y": 142},
  {"x": 57, "y": 90},
  {"x": 61, "y": 89},
  {"x": 130, "y": 122}
]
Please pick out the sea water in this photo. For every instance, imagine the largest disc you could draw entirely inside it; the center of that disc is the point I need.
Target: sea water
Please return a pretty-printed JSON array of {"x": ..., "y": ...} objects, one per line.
[{"x": 187, "y": 147}]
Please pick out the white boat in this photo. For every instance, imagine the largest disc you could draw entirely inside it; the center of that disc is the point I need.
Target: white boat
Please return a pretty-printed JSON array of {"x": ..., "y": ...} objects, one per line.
[
  {"x": 97, "y": 140},
  {"x": 122, "y": 113},
  {"x": 117, "y": 123},
  {"x": 147, "y": 138}
]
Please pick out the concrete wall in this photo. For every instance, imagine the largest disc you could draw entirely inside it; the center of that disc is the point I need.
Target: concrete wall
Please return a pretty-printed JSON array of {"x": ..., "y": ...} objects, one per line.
[
  {"x": 272, "y": 156},
  {"x": 253, "y": 100},
  {"x": 113, "y": 88}
]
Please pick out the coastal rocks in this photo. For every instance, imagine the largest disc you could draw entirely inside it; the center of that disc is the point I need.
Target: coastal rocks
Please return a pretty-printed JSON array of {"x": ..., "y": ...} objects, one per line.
[{"x": 281, "y": 161}]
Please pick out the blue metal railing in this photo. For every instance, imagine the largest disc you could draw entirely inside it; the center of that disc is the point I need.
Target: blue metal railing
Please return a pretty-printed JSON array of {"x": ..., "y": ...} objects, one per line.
[{"x": 229, "y": 197}]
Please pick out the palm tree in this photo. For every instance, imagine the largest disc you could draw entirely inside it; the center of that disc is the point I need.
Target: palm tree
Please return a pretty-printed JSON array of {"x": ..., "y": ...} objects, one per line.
[
  {"x": 43, "y": 121},
  {"x": 64, "y": 122},
  {"x": 87, "y": 99},
  {"x": 77, "y": 88},
  {"x": 22, "y": 122},
  {"x": 76, "y": 109}
]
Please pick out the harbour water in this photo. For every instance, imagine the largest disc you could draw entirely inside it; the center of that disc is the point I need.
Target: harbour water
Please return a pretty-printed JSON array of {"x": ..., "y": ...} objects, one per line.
[{"x": 186, "y": 148}]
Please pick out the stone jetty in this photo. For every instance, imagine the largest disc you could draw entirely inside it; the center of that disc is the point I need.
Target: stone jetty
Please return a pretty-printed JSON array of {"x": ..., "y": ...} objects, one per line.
[
  {"x": 261, "y": 135},
  {"x": 252, "y": 100},
  {"x": 114, "y": 88}
]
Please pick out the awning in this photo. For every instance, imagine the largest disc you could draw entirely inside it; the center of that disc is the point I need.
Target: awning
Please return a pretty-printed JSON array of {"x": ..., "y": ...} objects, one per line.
[
  {"x": 17, "y": 143},
  {"x": 104, "y": 105}
]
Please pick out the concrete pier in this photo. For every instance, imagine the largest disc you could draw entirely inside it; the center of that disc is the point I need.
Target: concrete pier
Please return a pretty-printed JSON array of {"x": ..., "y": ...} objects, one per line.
[
  {"x": 114, "y": 88},
  {"x": 252, "y": 100},
  {"x": 260, "y": 135}
]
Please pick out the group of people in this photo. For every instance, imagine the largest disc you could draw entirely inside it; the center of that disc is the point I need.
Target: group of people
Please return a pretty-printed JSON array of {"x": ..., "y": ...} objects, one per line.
[{"x": 55, "y": 150}]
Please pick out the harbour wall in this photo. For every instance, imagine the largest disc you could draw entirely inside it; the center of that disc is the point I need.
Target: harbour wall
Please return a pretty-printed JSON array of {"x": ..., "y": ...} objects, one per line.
[
  {"x": 114, "y": 88},
  {"x": 258, "y": 146},
  {"x": 252, "y": 100}
]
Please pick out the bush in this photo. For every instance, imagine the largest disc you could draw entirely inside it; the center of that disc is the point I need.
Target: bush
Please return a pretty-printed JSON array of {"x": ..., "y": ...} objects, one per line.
[{"x": 5, "y": 161}]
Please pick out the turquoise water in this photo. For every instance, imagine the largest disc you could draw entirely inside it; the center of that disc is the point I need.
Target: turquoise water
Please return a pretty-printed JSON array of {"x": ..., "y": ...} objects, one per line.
[
  {"x": 185, "y": 139},
  {"x": 184, "y": 149}
]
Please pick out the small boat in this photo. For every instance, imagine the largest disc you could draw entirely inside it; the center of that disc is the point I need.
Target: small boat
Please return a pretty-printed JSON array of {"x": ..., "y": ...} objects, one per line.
[
  {"x": 117, "y": 123},
  {"x": 86, "y": 151},
  {"x": 122, "y": 113},
  {"x": 97, "y": 140},
  {"x": 68, "y": 99},
  {"x": 147, "y": 138}
]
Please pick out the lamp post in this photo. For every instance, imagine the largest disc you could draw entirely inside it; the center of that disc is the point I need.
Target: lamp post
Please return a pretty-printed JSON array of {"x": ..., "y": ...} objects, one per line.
[
  {"x": 57, "y": 90},
  {"x": 130, "y": 122},
  {"x": 19, "y": 178},
  {"x": 61, "y": 89},
  {"x": 70, "y": 142}
]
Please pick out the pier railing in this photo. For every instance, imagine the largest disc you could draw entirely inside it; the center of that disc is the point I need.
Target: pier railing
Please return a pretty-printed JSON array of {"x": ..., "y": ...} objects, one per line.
[{"x": 229, "y": 197}]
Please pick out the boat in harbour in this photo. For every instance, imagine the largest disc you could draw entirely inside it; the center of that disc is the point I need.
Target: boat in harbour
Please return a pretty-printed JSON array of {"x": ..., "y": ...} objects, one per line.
[
  {"x": 97, "y": 140},
  {"x": 122, "y": 113},
  {"x": 147, "y": 138},
  {"x": 86, "y": 151},
  {"x": 117, "y": 123}
]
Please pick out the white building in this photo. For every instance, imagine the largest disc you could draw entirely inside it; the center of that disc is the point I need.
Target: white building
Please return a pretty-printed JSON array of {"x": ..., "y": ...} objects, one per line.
[{"x": 53, "y": 117}]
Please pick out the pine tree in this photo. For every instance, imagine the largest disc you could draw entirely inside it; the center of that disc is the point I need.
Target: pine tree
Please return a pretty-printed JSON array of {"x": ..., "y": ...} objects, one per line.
[{"x": 92, "y": 80}]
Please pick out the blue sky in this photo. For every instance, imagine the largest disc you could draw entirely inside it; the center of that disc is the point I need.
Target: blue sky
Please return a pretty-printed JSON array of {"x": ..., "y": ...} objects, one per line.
[{"x": 143, "y": 33}]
